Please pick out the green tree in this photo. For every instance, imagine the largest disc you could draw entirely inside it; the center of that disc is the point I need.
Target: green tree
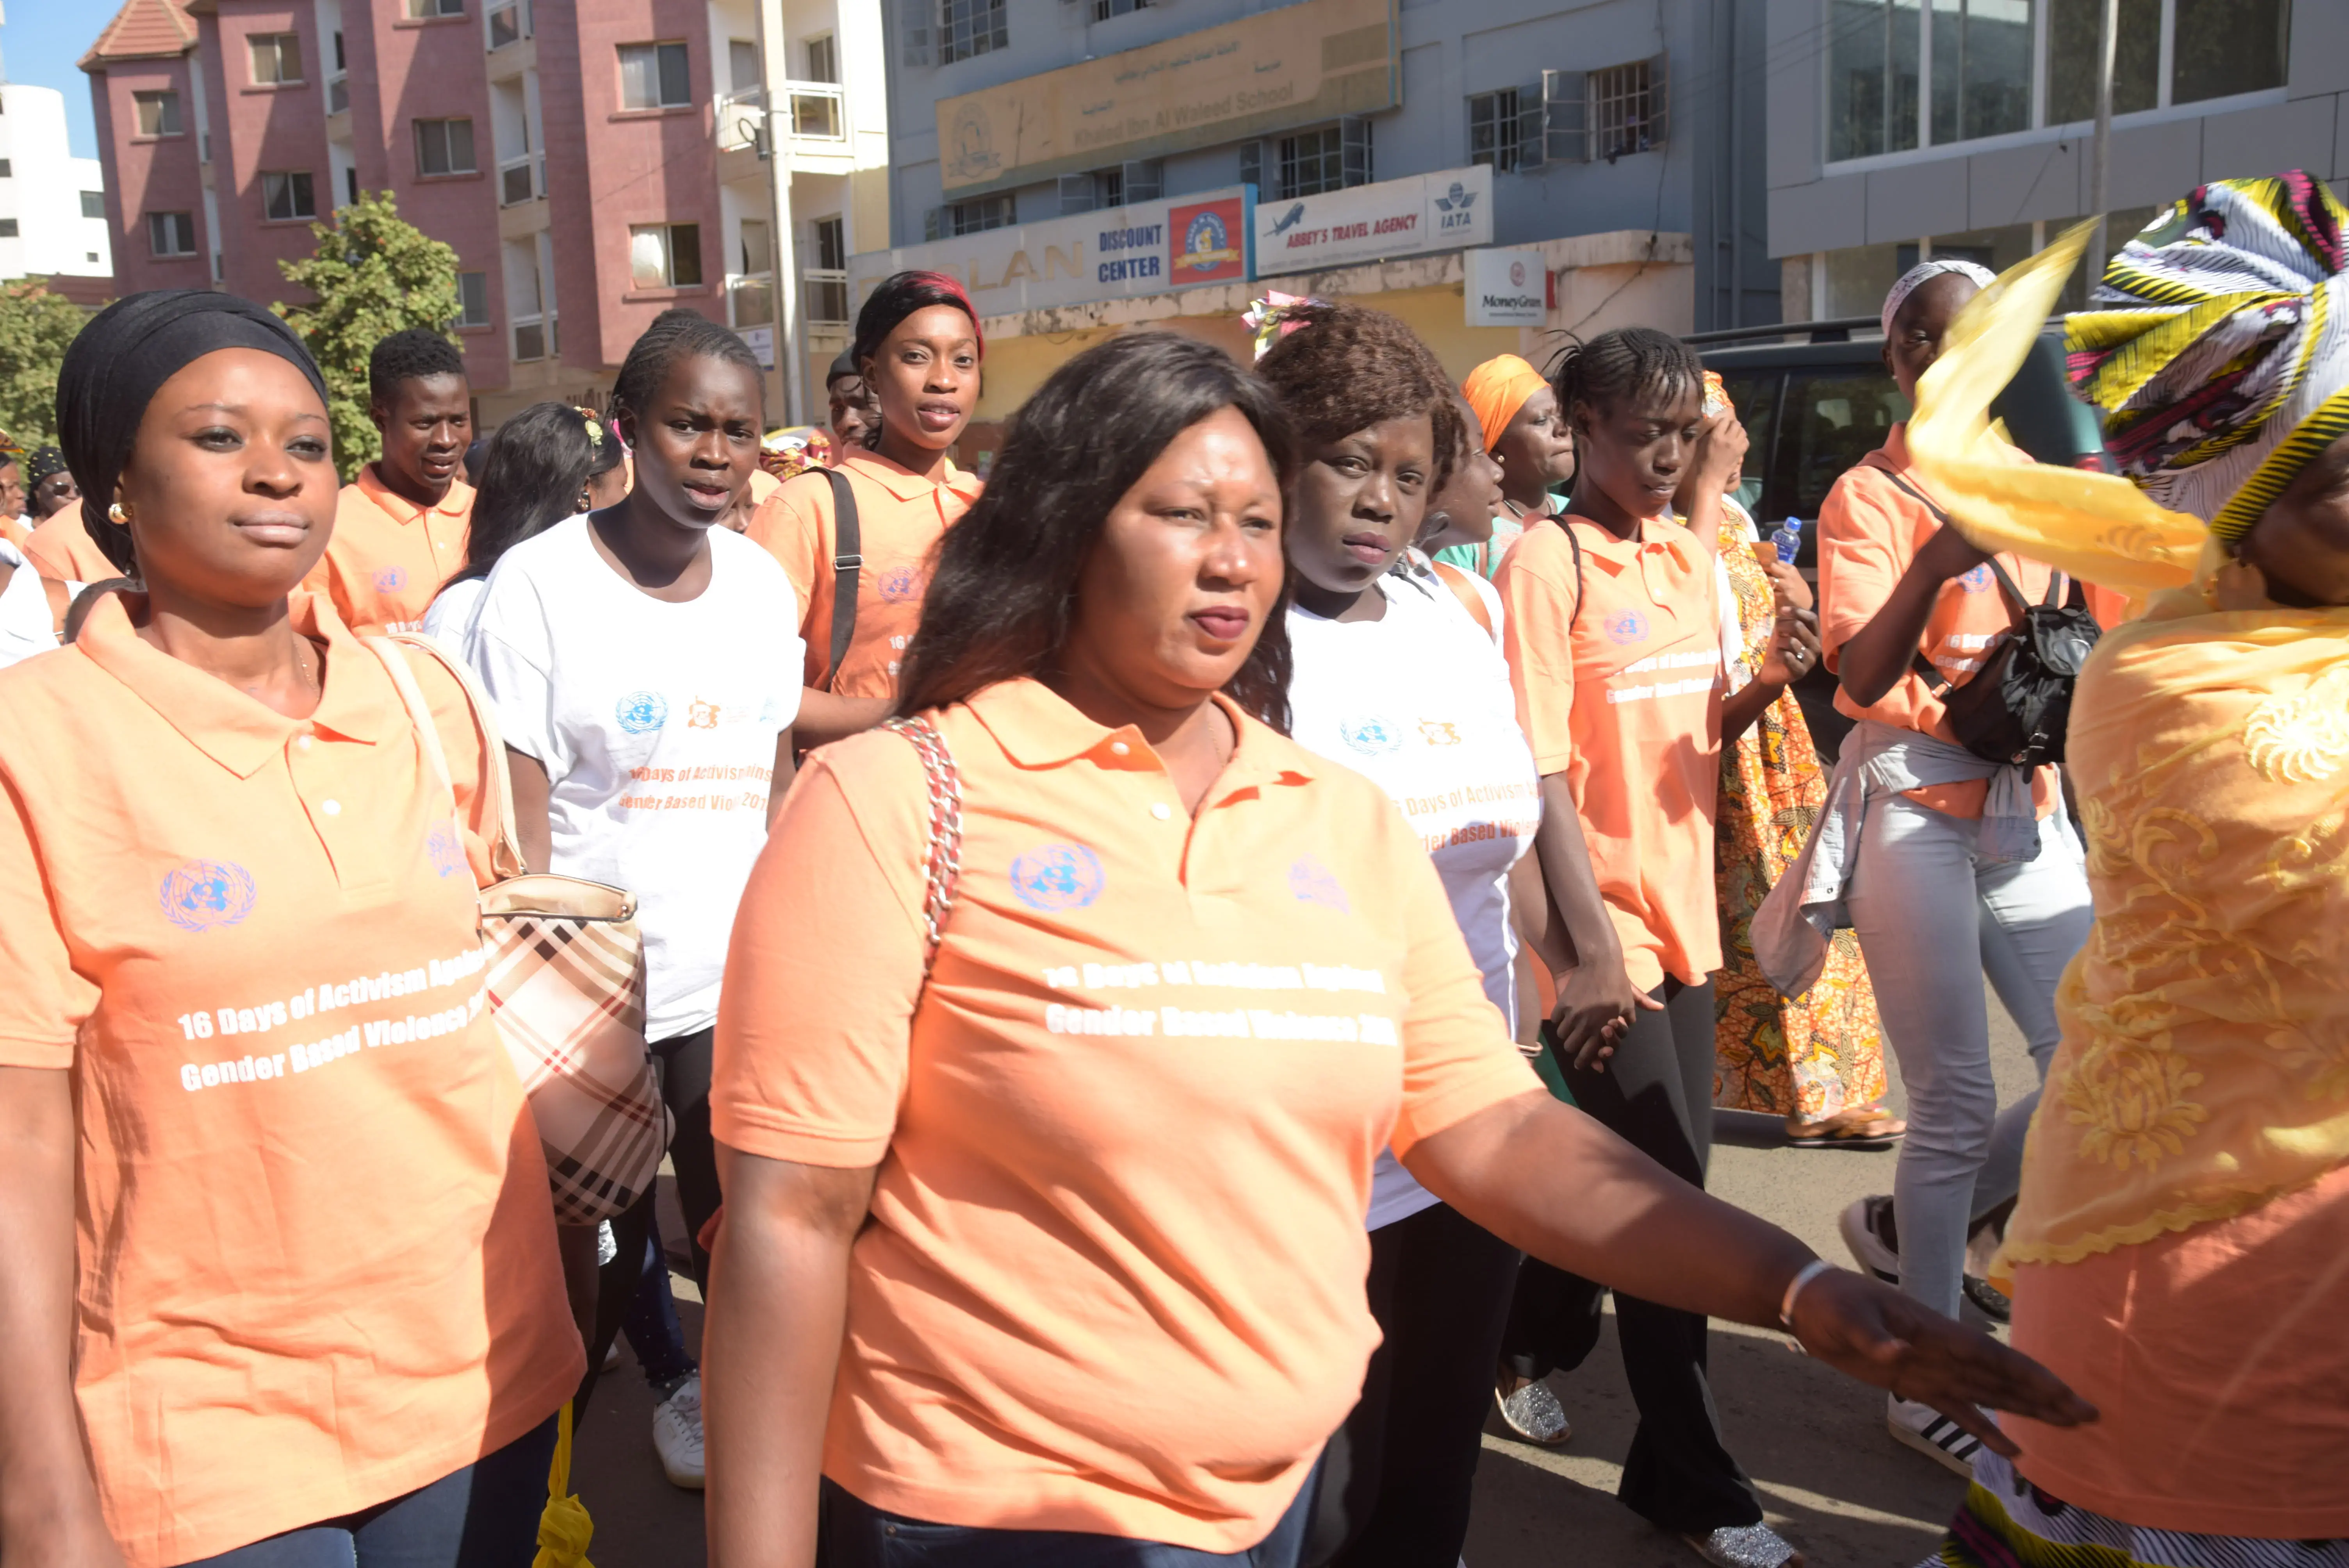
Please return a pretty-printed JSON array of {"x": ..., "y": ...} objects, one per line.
[
  {"x": 372, "y": 274},
  {"x": 34, "y": 327}
]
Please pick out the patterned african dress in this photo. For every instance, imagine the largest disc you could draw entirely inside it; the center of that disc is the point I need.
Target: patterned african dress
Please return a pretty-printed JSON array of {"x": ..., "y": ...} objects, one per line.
[{"x": 1822, "y": 1054}]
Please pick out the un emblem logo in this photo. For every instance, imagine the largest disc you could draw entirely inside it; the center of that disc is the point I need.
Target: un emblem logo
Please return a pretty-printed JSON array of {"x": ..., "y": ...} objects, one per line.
[
  {"x": 202, "y": 894},
  {"x": 1057, "y": 876}
]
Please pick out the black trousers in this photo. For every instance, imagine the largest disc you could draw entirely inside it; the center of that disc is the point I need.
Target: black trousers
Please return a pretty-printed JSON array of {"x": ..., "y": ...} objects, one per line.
[
  {"x": 1397, "y": 1478},
  {"x": 1656, "y": 1094}
]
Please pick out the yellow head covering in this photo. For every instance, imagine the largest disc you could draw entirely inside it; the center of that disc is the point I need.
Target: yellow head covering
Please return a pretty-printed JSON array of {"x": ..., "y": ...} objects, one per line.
[{"x": 1497, "y": 389}]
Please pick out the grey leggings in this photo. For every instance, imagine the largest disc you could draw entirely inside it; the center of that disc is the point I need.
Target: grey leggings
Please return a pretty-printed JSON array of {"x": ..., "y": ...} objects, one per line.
[{"x": 1933, "y": 919}]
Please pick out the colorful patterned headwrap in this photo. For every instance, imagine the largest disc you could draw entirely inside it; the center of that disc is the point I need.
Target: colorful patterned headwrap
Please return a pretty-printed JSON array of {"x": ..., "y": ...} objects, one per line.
[
  {"x": 1497, "y": 389},
  {"x": 1274, "y": 318},
  {"x": 2218, "y": 344}
]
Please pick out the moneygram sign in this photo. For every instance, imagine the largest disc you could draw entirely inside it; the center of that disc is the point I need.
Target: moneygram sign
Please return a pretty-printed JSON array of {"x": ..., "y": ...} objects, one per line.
[
  {"x": 1149, "y": 248},
  {"x": 1506, "y": 288},
  {"x": 1446, "y": 212}
]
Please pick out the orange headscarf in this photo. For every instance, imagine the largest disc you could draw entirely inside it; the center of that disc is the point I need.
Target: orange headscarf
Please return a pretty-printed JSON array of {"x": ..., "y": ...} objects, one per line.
[{"x": 1497, "y": 389}]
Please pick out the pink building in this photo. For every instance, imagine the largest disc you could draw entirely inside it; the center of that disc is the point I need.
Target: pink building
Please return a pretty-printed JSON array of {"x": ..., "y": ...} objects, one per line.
[{"x": 609, "y": 160}]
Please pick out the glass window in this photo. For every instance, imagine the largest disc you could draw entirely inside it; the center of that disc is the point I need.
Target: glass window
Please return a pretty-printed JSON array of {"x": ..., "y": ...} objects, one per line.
[
  {"x": 1833, "y": 418},
  {"x": 158, "y": 113},
  {"x": 665, "y": 255},
  {"x": 2226, "y": 47},
  {"x": 444, "y": 146},
  {"x": 1492, "y": 129},
  {"x": 758, "y": 247},
  {"x": 8, "y": 169},
  {"x": 277, "y": 58},
  {"x": 1858, "y": 278},
  {"x": 742, "y": 63},
  {"x": 2072, "y": 60},
  {"x": 473, "y": 299},
  {"x": 7, "y": 229},
  {"x": 421, "y": 8},
  {"x": 1872, "y": 86},
  {"x": 1982, "y": 68},
  {"x": 1313, "y": 162},
  {"x": 171, "y": 233},
  {"x": 288, "y": 195},
  {"x": 969, "y": 27},
  {"x": 93, "y": 203},
  {"x": 1104, "y": 9},
  {"x": 830, "y": 244},
  {"x": 823, "y": 59},
  {"x": 1754, "y": 395},
  {"x": 1623, "y": 110},
  {"x": 654, "y": 76}
]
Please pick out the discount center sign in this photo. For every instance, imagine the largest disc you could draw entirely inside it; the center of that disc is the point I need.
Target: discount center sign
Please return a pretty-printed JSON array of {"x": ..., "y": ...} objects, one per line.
[{"x": 1448, "y": 211}]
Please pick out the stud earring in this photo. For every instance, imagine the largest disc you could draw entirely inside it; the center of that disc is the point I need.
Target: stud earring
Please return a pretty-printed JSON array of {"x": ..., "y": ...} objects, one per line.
[{"x": 118, "y": 515}]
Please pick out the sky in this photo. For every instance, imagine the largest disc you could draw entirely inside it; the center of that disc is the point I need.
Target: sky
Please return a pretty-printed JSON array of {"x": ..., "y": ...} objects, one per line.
[{"x": 39, "y": 43}]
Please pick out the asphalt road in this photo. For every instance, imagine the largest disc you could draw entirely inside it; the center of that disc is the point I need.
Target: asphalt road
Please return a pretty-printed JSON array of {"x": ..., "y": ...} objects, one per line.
[{"x": 1815, "y": 1444}]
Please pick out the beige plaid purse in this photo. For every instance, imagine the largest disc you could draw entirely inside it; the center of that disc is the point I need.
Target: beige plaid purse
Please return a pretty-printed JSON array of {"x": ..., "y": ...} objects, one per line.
[{"x": 566, "y": 986}]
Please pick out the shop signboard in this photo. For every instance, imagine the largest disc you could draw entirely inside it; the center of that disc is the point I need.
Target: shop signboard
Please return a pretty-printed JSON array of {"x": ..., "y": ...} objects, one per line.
[
  {"x": 1449, "y": 211},
  {"x": 1506, "y": 288}
]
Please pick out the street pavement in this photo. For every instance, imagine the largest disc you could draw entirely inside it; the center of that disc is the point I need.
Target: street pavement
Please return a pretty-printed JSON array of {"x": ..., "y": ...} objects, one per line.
[{"x": 1814, "y": 1442}]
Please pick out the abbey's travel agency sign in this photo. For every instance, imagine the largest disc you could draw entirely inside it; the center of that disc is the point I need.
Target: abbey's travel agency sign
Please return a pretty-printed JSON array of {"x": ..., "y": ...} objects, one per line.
[
  {"x": 1449, "y": 211},
  {"x": 1148, "y": 248}
]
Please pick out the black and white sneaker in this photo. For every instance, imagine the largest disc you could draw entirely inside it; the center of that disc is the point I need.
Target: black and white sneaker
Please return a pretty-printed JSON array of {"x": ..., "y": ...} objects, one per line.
[
  {"x": 1866, "y": 1227},
  {"x": 1931, "y": 1433}
]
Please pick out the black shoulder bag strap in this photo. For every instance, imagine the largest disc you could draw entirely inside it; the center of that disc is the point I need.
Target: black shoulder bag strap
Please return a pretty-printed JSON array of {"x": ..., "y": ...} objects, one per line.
[
  {"x": 1935, "y": 681},
  {"x": 847, "y": 569}
]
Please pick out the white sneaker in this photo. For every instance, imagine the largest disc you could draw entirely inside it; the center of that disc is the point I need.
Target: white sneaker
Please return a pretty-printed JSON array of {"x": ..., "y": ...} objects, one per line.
[
  {"x": 1864, "y": 1223},
  {"x": 1931, "y": 1433},
  {"x": 677, "y": 1434}
]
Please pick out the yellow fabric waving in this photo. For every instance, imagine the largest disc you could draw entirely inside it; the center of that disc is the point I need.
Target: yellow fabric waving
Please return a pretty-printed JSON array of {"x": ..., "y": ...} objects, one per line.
[
  {"x": 563, "y": 1528},
  {"x": 2098, "y": 527}
]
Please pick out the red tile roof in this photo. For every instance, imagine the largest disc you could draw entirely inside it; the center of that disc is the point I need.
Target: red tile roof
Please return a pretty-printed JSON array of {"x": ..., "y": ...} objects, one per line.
[{"x": 143, "y": 30}]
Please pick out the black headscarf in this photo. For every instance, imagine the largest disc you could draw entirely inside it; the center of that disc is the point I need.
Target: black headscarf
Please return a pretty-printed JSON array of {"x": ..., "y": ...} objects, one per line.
[
  {"x": 40, "y": 463},
  {"x": 114, "y": 368}
]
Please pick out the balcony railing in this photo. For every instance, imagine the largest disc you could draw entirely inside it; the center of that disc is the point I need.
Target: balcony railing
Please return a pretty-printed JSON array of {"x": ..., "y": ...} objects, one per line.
[
  {"x": 338, "y": 92},
  {"x": 506, "y": 24},
  {"x": 522, "y": 178},
  {"x": 824, "y": 296},
  {"x": 751, "y": 297}
]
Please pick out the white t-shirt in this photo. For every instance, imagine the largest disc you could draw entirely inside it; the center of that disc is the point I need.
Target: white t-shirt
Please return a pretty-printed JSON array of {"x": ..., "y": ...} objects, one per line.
[
  {"x": 27, "y": 626},
  {"x": 450, "y": 618},
  {"x": 1419, "y": 700},
  {"x": 656, "y": 723}
]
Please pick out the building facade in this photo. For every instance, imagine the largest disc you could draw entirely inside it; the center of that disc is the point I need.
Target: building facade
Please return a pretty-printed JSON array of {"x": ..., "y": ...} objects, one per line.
[
  {"x": 1890, "y": 139},
  {"x": 592, "y": 166},
  {"x": 52, "y": 206},
  {"x": 1497, "y": 172}
]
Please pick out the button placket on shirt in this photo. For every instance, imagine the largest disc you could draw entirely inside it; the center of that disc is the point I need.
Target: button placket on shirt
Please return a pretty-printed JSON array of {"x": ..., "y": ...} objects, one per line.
[{"x": 358, "y": 856}]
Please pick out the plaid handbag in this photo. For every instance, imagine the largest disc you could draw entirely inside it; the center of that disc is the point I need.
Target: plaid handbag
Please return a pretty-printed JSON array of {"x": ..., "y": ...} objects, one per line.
[{"x": 567, "y": 987}]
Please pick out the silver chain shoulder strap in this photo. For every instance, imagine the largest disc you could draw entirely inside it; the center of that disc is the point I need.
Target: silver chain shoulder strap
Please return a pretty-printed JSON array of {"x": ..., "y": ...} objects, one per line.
[{"x": 944, "y": 866}]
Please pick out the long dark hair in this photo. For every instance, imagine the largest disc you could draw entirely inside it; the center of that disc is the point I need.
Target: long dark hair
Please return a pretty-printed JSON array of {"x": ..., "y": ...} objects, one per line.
[
  {"x": 531, "y": 479},
  {"x": 1004, "y": 592}
]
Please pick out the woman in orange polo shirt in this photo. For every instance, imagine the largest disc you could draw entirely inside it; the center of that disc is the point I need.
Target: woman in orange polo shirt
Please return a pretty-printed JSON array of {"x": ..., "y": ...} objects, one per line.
[
  {"x": 919, "y": 347},
  {"x": 283, "y": 1284},
  {"x": 1944, "y": 884},
  {"x": 1061, "y": 1237},
  {"x": 1614, "y": 641}
]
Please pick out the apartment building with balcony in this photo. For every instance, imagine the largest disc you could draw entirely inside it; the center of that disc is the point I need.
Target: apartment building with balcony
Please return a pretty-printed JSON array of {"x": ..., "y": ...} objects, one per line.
[
  {"x": 1903, "y": 128},
  {"x": 591, "y": 166},
  {"x": 1084, "y": 163}
]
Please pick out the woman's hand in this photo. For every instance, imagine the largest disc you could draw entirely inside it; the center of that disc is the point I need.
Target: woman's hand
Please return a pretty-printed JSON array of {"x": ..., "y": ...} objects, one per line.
[
  {"x": 1786, "y": 584},
  {"x": 1871, "y": 1331},
  {"x": 1596, "y": 1001},
  {"x": 1720, "y": 451},
  {"x": 1793, "y": 648}
]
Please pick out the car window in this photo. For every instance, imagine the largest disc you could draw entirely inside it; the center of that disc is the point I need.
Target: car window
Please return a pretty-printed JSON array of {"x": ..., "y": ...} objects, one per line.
[
  {"x": 1832, "y": 419},
  {"x": 1755, "y": 393}
]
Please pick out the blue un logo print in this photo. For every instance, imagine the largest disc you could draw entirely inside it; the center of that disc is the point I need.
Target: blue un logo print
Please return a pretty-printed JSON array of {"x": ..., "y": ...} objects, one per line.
[
  {"x": 1314, "y": 882},
  {"x": 390, "y": 580},
  {"x": 447, "y": 855},
  {"x": 1373, "y": 735},
  {"x": 900, "y": 585},
  {"x": 1626, "y": 626},
  {"x": 1057, "y": 876},
  {"x": 642, "y": 711},
  {"x": 202, "y": 894},
  {"x": 1976, "y": 581}
]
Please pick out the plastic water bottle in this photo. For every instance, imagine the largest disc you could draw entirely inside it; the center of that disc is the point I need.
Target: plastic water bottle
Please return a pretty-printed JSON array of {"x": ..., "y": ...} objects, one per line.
[{"x": 1789, "y": 537}]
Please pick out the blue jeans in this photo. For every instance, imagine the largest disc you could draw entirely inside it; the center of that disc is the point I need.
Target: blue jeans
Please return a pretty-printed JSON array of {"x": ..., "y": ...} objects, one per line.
[
  {"x": 652, "y": 1326},
  {"x": 483, "y": 1516},
  {"x": 855, "y": 1534},
  {"x": 1933, "y": 917}
]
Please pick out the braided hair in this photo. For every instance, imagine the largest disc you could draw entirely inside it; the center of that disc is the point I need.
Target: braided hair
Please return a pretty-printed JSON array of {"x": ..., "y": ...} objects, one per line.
[
  {"x": 1348, "y": 367},
  {"x": 1629, "y": 362},
  {"x": 676, "y": 334}
]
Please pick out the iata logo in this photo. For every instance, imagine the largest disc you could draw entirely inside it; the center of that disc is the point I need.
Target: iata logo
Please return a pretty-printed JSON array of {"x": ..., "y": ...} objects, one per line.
[{"x": 1452, "y": 208}]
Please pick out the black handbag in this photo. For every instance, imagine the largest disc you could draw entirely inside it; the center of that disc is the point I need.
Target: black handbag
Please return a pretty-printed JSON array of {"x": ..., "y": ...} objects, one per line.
[{"x": 2017, "y": 704}]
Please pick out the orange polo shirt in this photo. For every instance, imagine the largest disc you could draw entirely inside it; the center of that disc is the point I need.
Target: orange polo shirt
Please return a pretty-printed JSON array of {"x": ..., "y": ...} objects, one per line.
[
  {"x": 900, "y": 517},
  {"x": 1113, "y": 1276},
  {"x": 316, "y": 1256},
  {"x": 1870, "y": 530},
  {"x": 61, "y": 548},
  {"x": 388, "y": 556},
  {"x": 1623, "y": 697}
]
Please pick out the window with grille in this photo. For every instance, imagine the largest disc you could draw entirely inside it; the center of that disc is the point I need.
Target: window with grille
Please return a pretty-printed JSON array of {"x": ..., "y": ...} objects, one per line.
[
  {"x": 1312, "y": 162},
  {"x": 968, "y": 27},
  {"x": 444, "y": 146},
  {"x": 473, "y": 299},
  {"x": 158, "y": 113},
  {"x": 1493, "y": 135},
  {"x": 93, "y": 203},
  {"x": 665, "y": 255},
  {"x": 976, "y": 217},
  {"x": 287, "y": 195},
  {"x": 171, "y": 233},
  {"x": 1104, "y": 9},
  {"x": 277, "y": 58},
  {"x": 1626, "y": 110},
  {"x": 654, "y": 76}
]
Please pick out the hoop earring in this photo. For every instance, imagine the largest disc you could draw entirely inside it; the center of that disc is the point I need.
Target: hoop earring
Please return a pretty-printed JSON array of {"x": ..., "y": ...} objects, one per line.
[{"x": 116, "y": 514}]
